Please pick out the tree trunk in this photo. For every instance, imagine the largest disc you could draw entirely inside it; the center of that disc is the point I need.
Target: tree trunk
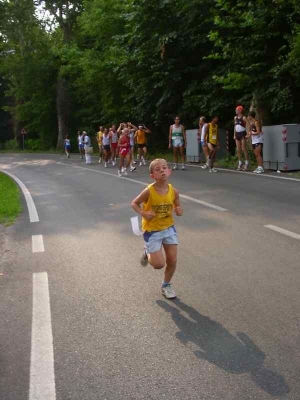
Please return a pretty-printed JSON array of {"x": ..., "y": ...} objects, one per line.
[
  {"x": 263, "y": 113},
  {"x": 62, "y": 108}
]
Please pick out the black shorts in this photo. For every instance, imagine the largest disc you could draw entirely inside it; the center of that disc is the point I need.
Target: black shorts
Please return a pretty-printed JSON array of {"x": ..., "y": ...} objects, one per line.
[
  {"x": 240, "y": 135},
  {"x": 256, "y": 145},
  {"x": 141, "y": 146},
  {"x": 106, "y": 147}
]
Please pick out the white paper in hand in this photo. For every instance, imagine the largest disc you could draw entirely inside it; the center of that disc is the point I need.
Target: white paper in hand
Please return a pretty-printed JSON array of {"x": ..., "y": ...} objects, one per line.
[{"x": 135, "y": 226}]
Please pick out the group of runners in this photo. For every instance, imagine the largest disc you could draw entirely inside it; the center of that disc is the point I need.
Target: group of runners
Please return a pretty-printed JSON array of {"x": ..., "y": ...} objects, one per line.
[
  {"x": 121, "y": 142},
  {"x": 244, "y": 128}
]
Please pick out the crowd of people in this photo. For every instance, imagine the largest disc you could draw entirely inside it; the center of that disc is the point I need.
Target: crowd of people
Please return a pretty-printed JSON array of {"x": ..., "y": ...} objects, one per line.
[
  {"x": 244, "y": 129},
  {"x": 120, "y": 143}
]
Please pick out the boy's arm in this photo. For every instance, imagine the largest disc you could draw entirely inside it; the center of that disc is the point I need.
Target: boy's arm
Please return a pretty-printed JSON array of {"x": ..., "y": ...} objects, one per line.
[
  {"x": 146, "y": 129},
  {"x": 177, "y": 206},
  {"x": 142, "y": 198}
]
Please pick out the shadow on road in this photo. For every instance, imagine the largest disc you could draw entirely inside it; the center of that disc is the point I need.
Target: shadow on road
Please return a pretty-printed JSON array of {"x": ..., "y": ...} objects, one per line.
[{"x": 235, "y": 354}]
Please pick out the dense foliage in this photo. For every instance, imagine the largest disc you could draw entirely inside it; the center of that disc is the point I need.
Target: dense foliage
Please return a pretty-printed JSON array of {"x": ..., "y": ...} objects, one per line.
[{"x": 88, "y": 62}]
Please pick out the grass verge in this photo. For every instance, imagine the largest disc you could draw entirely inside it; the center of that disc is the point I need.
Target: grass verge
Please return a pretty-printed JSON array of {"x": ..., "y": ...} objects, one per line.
[{"x": 10, "y": 203}]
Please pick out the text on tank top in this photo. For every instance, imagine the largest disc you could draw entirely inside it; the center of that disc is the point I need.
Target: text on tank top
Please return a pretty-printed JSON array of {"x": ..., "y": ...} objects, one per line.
[{"x": 162, "y": 205}]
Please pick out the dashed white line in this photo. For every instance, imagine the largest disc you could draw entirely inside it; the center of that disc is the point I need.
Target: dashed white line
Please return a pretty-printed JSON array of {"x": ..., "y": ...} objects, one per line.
[
  {"x": 42, "y": 378},
  {"x": 283, "y": 231},
  {"x": 33, "y": 215},
  {"x": 37, "y": 244},
  {"x": 183, "y": 196}
]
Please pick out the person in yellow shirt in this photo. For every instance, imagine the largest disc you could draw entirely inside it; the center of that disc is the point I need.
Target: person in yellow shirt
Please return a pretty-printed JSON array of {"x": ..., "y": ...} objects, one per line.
[
  {"x": 160, "y": 200},
  {"x": 99, "y": 141},
  {"x": 140, "y": 138},
  {"x": 212, "y": 140}
]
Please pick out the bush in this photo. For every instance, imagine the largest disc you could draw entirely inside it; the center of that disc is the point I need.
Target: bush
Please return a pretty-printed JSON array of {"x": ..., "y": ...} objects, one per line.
[{"x": 11, "y": 145}]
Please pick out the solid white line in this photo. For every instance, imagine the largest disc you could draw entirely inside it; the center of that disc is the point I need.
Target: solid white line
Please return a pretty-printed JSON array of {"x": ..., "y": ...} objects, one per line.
[
  {"x": 283, "y": 231},
  {"x": 42, "y": 380},
  {"x": 33, "y": 215},
  {"x": 250, "y": 173},
  {"x": 182, "y": 196},
  {"x": 37, "y": 244}
]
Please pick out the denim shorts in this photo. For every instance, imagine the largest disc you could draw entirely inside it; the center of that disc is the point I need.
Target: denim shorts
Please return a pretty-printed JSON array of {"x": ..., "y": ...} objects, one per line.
[{"x": 154, "y": 240}]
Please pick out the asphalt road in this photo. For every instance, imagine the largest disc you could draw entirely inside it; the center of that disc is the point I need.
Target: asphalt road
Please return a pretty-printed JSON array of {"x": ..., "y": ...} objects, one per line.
[{"x": 233, "y": 331}]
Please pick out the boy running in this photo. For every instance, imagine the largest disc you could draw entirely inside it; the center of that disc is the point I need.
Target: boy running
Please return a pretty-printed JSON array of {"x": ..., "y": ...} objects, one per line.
[{"x": 159, "y": 200}]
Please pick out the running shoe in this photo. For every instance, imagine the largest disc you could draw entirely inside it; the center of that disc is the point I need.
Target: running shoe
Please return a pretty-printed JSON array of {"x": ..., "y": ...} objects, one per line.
[
  {"x": 125, "y": 172},
  {"x": 113, "y": 163},
  {"x": 141, "y": 164},
  {"x": 239, "y": 167},
  {"x": 168, "y": 292},
  {"x": 144, "y": 259},
  {"x": 213, "y": 170},
  {"x": 99, "y": 161},
  {"x": 132, "y": 169},
  {"x": 68, "y": 155},
  {"x": 260, "y": 170},
  {"x": 105, "y": 165},
  {"x": 255, "y": 171},
  {"x": 205, "y": 166},
  {"x": 144, "y": 162},
  {"x": 133, "y": 162},
  {"x": 120, "y": 174},
  {"x": 183, "y": 167},
  {"x": 175, "y": 166},
  {"x": 123, "y": 169}
]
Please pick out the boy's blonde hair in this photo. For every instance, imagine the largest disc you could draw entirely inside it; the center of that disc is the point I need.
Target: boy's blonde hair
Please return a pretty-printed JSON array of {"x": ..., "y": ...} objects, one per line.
[{"x": 155, "y": 162}]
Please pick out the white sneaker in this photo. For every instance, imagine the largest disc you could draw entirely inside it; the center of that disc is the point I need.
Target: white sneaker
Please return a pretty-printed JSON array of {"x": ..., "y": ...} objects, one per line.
[
  {"x": 119, "y": 173},
  {"x": 113, "y": 163},
  {"x": 141, "y": 163},
  {"x": 133, "y": 162},
  {"x": 175, "y": 166},
  {"x": 123, "y": 169},
  {"x": 255, "y": 171},
  {"x": 132, "y": 169},
  {"x": 144, "y": 259},
  {"x": 105, "y": 165},
  {"x": 239, "y": 167},
  {"x": 205, "y": 166},
  {"x": 125, "y": 172},
  {"x": 260, "y": 170},
  {"x": 144, "y": 162},
  {"x": 100, "y": 159},
  {"x": 183, "y": 167},
  {"x": 168, "y": 292},
  {"x": 213, "y": 170}
]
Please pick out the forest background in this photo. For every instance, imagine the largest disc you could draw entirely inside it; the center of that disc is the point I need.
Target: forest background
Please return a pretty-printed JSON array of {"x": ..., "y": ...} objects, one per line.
[{"x": 73, "y": 65}]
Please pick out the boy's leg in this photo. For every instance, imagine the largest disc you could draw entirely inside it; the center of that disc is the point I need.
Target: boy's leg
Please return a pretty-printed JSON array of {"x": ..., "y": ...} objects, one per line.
[
  {"x": 171, "y": 261},
  {"x": 157, "y": 259}
]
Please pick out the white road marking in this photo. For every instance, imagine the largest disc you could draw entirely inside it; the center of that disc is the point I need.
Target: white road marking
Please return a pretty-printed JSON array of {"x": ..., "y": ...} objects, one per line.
[
  {"x": 283, "y": 231},
  {"x": 33, "y": 215},
  {"x": 250, "y": 173},
  {"x": 37, "y": 244},
  {"x": 42, "y": 379},
  {"x": 203, "y": 203},
  {"x": 182, "y": 196}
]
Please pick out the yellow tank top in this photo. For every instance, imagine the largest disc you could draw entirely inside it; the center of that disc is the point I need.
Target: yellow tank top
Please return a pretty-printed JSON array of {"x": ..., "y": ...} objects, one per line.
[
  {"x": 213, "y": 134},
  {"x": 140, "y": 137},
  {"x": 162, "y": 205}
]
